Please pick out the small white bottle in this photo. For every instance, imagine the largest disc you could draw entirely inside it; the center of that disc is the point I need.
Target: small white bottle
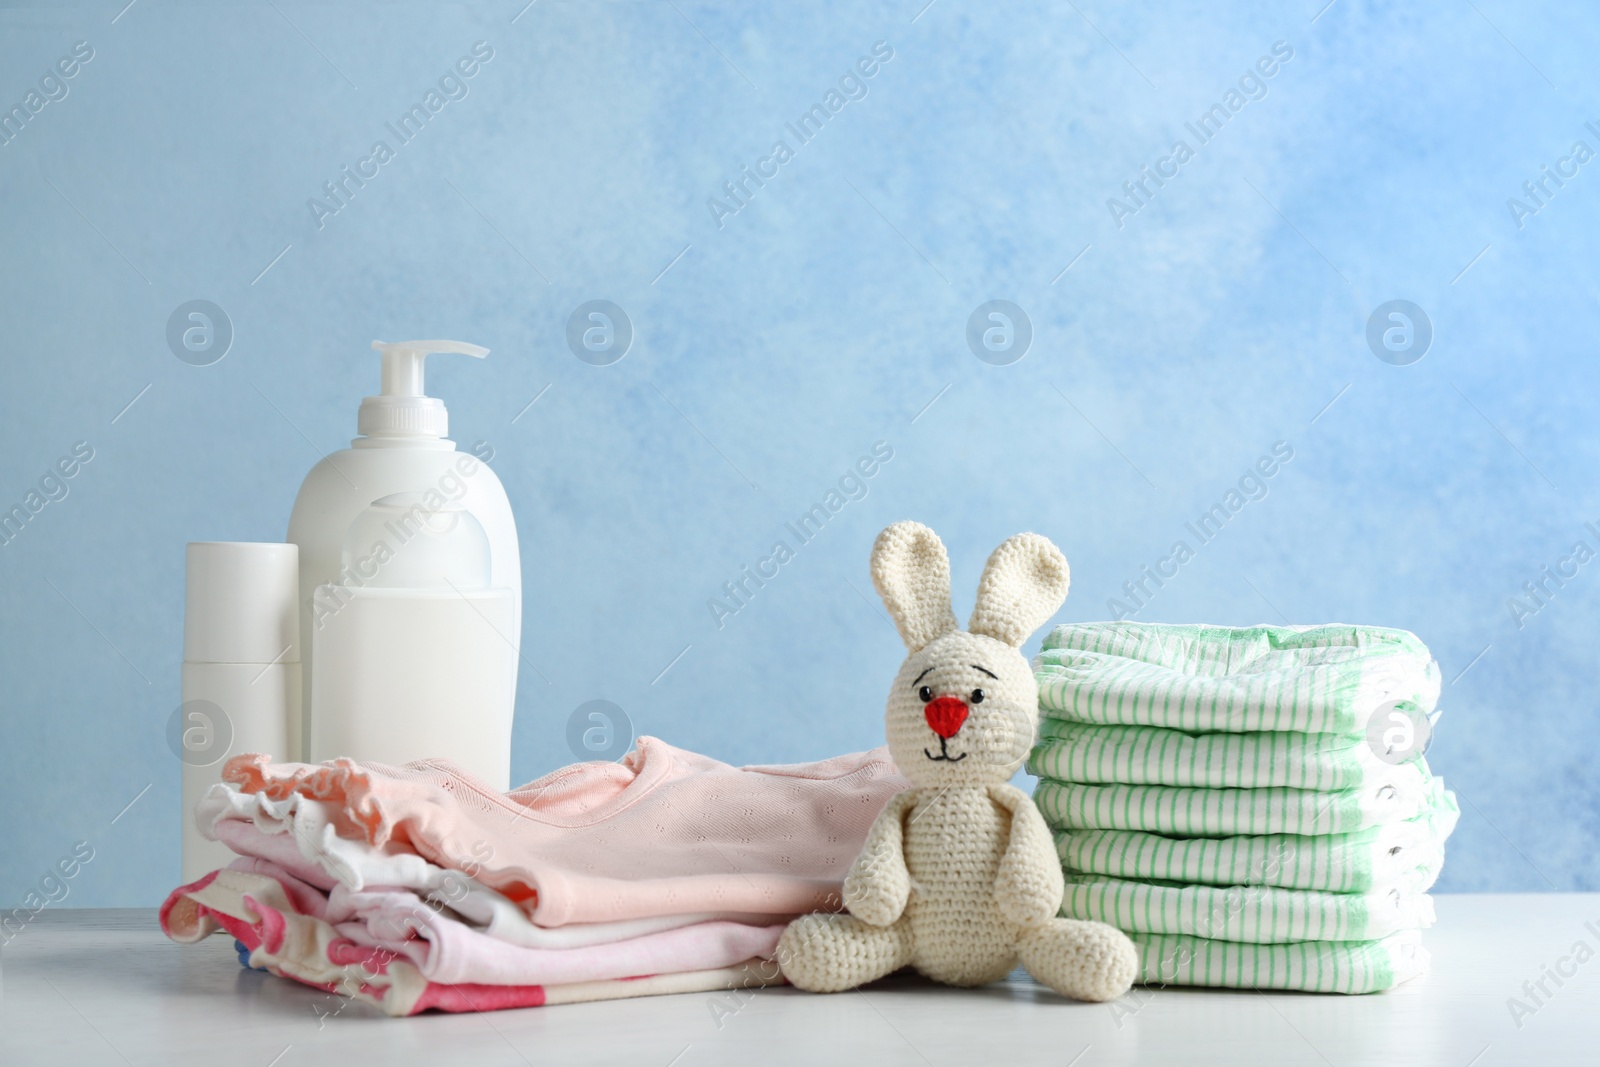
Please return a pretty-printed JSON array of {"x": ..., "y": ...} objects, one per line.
[
  {"x": 418, "y": 661},
  {"x": 241, "y": 671},
  {"x": 403, "y": 448}
]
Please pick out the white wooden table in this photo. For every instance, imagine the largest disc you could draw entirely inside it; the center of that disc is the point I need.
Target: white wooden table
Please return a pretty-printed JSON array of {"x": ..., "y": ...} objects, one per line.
[{"x": 105, "y": 987}]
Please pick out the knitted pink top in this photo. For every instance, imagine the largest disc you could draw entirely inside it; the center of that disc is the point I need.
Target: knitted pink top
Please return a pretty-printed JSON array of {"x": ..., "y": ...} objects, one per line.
[{"x": 663, "y": 831}]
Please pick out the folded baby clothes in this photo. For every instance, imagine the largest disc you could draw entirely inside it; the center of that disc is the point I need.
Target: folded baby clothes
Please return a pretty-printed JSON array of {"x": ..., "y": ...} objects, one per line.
[
  {"x": 265, "y": 914},
  {"x": 662, "y": 831},
  {"x": 418, "y": 887},
  {"x": 1308, "y": 966},
  {"x": 1263, "y": 915},
  {"x": 295, "y": 834},
  {"x": 1310, "y": 679},
  {"x": 1215, "y": 795},
  {"x": 1151, "y": 755},
  {"x": 444, "y": 950},
  {"x": 1405, "y": 855},
  {"x": 1226, "y": 812}
]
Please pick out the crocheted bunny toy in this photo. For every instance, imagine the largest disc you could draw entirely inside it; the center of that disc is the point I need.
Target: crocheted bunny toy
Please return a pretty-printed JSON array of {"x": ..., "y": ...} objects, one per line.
[{"x": 959, "y": 877}]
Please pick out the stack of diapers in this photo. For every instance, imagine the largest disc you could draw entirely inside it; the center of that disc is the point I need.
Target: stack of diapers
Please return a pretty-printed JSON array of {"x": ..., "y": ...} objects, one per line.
[
  {"x": 1235, "y": 801},
  {"x": 418, "y": 887}
]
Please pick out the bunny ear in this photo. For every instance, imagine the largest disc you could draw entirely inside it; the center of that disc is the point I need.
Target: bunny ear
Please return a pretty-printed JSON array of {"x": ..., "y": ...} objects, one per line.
[
  {"x": 911, "y": 571},
  {"x": 1023, "y": 584}
]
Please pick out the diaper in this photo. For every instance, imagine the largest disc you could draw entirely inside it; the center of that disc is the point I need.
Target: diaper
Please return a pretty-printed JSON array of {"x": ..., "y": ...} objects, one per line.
[
  {"x": 1263, "y": 915},
  {"x": 1309, "y": 966},
  {"x": 1149, "y": 755},
  {"x": 1231, "y": 812},
  {"x": 1309, "y": 679}
]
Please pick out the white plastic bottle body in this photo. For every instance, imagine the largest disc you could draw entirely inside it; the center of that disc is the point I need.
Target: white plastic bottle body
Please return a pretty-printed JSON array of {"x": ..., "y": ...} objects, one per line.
[
  {"x": 340, "y": 488},
  {"x": 252, "y": 699},
  {"x": 241, "y": 672},
  {"x": 418, "y": 674}
]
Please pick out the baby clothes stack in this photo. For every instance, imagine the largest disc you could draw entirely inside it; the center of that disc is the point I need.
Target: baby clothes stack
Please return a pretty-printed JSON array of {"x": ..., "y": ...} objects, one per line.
[
  {"x": 1216, "y": 794},
  {"x": 419, "y": 887}
]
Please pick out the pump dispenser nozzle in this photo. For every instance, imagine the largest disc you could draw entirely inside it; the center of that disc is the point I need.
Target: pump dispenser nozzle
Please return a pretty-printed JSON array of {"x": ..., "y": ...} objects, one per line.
[{"x": 402, "y": 409}]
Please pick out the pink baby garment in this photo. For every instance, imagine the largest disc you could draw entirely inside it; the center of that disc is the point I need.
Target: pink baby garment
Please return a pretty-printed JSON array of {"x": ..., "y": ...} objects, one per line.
[
  {"x": 662, "y": 832},
  {"x": 277, "y": 919},
  {"x": 444, "y": 950},
  {"x": 389, "y": 893}
]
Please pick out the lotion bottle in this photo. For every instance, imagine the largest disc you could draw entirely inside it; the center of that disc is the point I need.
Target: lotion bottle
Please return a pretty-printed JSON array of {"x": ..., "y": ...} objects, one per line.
[{"x": 402, "y": 447}]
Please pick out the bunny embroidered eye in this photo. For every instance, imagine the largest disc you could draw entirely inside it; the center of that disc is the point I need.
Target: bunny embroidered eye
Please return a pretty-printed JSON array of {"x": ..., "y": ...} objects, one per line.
[
  {"x": 977, "y": 697},
  {"x": 925, "y": 694}
]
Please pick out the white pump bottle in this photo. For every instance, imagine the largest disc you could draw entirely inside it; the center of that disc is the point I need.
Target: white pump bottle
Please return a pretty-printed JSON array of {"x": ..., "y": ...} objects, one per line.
[{"x": 402, "y": 450}]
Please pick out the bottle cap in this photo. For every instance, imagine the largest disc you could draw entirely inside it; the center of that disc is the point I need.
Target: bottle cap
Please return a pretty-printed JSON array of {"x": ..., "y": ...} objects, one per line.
[
  {"x": 241, "y": 602},
  {"x": 402, "y": 409}
]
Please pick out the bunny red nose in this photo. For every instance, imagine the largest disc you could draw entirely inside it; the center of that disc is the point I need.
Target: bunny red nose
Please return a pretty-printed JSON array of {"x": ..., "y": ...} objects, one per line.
[{"x": 945, "y": 716}]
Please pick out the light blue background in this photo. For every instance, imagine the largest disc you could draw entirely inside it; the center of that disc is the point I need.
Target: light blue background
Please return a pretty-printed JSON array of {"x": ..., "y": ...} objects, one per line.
[{"x": 825, "y": 316}]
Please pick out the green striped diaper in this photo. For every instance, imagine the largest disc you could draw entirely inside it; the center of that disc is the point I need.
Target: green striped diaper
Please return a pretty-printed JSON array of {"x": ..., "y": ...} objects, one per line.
[
  {"x": 1405, "y": 854},
  {"x": 1229, "y": 812},
  {"x": 1309, "y": 966},
  {"x": 1263, "y": 915},
  {"x": 1150, "y": 755},
  {"x": 1309, "y": 679}
]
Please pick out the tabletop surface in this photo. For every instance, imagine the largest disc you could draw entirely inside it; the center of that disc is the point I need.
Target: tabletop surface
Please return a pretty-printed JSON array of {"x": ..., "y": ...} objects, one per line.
[{"x": 105, "y": 987}]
